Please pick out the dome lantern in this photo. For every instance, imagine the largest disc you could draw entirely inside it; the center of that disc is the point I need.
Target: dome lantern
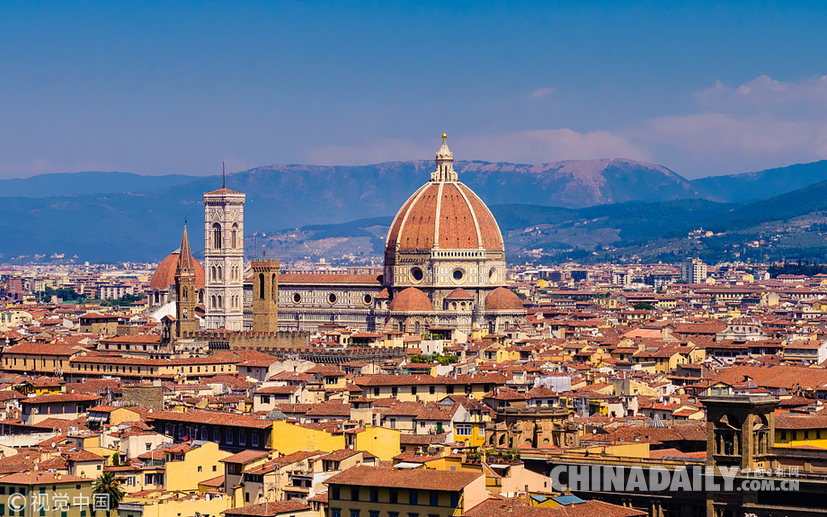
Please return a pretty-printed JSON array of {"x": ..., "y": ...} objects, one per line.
[{"x": 444, "y": 163}]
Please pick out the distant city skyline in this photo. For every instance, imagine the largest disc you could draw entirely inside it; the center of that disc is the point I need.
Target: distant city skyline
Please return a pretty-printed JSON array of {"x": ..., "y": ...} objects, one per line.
[{"x": 703, "y": 88}]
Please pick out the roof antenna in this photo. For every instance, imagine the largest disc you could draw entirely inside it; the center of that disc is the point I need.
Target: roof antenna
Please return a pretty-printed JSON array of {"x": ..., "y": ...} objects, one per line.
[{"x": 223, "y": 175}]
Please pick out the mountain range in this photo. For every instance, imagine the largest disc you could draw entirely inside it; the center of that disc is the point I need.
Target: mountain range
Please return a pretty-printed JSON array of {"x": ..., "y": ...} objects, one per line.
[{"x": 109, "y": 217}]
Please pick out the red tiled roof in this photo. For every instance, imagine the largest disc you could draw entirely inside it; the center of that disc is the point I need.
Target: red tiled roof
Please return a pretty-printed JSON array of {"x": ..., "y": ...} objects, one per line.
[
  {"x": 62, "y": 397},
  {"x": 214, "y": 418},
  {"x": 40, "y": 478},
  {"x": 501, "y": 507},
  {"x": 316, "y": 278},
  {"x": 268, "y": 509},
  {"x": 42, "y": 349},
  {"x": 245, "y": 456}
]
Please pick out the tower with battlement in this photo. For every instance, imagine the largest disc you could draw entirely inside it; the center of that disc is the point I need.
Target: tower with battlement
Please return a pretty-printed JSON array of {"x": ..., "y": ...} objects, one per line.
[{"x": 265, "y": 295}]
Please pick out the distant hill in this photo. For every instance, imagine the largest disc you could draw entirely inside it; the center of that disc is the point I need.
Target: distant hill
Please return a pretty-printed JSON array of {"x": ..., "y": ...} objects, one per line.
[
  {"x": 812, "y": 198},
  {"x": 579, "y": 204},
  {"x": 68, "y": 184},
  {"x": 762, "y": 184}
]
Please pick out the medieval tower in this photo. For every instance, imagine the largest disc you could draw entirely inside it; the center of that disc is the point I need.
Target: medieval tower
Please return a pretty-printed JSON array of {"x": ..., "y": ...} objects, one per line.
[
  {"x": 265, "y": 295},
  {"x": 224, "y": 259},
  {"x": 187, "y": 295}
]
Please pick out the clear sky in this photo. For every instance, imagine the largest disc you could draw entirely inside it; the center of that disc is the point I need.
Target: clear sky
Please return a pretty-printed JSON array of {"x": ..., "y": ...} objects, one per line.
[{"x": 176, "y": 87}]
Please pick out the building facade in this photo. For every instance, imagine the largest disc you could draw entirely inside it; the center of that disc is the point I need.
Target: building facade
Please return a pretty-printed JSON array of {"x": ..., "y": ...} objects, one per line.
[
  {"x": 444, "y": 268},
  {"x": 693, "y": 271}
]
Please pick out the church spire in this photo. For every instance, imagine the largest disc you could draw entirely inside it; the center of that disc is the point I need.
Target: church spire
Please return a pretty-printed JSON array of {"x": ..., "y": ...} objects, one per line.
[
  {"x": 185, "y": 260},
  {"x": 444, "y": 163}
]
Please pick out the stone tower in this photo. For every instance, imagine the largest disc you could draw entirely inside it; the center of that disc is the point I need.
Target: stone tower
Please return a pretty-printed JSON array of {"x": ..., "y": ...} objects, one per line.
[
  {"x": 740, "y": 430},
  {"x": 224, "y": 259},
  {"x": 187, "y": 296},
  {"x": 265, "y": 295}
]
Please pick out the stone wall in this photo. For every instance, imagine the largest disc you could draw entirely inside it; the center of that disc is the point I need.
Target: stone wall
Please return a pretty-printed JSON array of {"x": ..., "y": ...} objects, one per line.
[{"x": 144, "y": 396}]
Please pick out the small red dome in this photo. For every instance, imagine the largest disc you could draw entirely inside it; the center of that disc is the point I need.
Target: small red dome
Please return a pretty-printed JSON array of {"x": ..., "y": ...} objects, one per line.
[
  {"x": 502, "y": 299},
  {"x": 459, "y": 294},
  {"x": 411, "y": 299},
  {"x": 164, "y": 275}
]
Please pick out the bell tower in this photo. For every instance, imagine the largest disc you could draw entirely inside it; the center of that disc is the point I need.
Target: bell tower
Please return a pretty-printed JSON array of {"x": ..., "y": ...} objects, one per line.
[
  {"x": 740, "y": 430},
  {"x": 224, "y": 259},
  {"x": 265, "y": 295},
  {"x": 187, "y": 297}
]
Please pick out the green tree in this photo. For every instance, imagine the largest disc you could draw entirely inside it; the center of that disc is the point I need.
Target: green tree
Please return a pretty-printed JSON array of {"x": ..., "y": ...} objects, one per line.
[
  {"x": 644, "y": 306},
  {"x": 108, "y": 485}
]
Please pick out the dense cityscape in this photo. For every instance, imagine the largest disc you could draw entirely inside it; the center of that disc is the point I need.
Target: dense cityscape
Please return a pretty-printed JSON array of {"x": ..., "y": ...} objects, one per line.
[
  {"x": 444, "y": 382},
  {"x": 413, "y": 259}
]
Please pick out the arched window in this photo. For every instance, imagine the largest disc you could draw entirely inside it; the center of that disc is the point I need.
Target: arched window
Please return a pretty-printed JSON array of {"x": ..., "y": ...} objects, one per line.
[
  {"x": 235, "y": 236},
  {"x": 212, "y": 302},
  {"x": 220, "y": 274},
  {"x": 184, "y": 293},
  {"x": 220, "y": 302},
  {"x": 261, "y": 286},
  {"x": 216, "y": 236},
  {"x": 212, "y": 273}
]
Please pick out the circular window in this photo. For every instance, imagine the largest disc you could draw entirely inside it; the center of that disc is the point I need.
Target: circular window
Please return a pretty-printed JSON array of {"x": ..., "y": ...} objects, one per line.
[
  {"x": 417, "y": 274},
  {"x": 331, "y": 298},
  {"x": 367, "y": 299},
  {"x": 458, "y": 275},
  {"x": 297, "y": 297}
]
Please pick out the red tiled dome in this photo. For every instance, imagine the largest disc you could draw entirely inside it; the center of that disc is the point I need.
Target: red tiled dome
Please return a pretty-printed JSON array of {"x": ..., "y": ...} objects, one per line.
[
  {"x": 164, "y": 275},
  {"x": 411, "y": 299},
  {"x": 447, "y": 215},
  {"x": 502, "y": 299},
  {"x": 459, "y": 294}
]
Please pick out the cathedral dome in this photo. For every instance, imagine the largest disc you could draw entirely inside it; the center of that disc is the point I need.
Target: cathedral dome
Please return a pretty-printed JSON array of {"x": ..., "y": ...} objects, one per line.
[
  {"x": 444, "y": 214},
  {"x": 502, "y": 299},
  {"x": 164, "y": 275},
  {"x": 411, "y": 299}
]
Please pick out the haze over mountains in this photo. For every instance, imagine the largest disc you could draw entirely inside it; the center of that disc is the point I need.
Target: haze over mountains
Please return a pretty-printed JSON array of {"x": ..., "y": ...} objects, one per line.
[{"x": 119, "y": 216}]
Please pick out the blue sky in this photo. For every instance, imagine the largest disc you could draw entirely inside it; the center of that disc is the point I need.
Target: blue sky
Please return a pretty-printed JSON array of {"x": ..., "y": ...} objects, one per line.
[{"x": 176, "y": 87}]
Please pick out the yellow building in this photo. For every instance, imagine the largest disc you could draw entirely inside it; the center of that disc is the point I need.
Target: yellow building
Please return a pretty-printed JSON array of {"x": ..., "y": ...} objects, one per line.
[
  {"x": 63, "y": 495},
  {"x": 427, "y": 388},
  {"x": 170, "y": 504},
  {"x": 368, "y": 491},
  {"x": 39, "y": 358},
  {"x": 290, "y": 438},
  {"x": 13, "y": 318},
  {"x": 801, "y": 430},
  {"x": 188, "y": 464}
]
